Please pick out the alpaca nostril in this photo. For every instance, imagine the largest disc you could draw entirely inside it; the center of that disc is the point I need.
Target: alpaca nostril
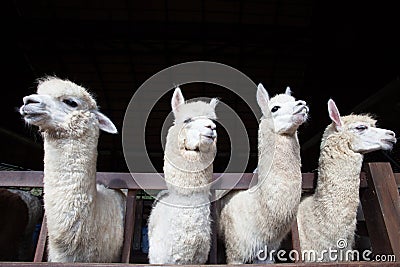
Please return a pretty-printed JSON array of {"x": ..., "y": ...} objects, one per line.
[
  {"x": 31, "y": 100},
  {"x": 391, "y": 133},
  {"x": 301, "y": 103},
  {"x": 211, "y": 127}
]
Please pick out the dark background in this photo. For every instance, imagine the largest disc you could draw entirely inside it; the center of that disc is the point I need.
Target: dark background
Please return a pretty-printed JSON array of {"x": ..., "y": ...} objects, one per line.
[{"x": 345, "y": 50}]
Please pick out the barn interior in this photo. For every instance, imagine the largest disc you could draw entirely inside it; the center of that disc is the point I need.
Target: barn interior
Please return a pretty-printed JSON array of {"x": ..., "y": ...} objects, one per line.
[
  {"x": 344, "y": 50},
  {"x": 347, "y": 51}
]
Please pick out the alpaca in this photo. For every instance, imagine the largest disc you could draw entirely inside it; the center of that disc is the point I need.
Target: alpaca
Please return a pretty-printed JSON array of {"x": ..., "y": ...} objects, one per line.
[
  {"x": 327, "y": 219},
  {"x": 85, "y": 221},
  {"x": 260, "y": 217},
  {"x": 21, "y": 211},
  {"x": 179, "y": 223}
]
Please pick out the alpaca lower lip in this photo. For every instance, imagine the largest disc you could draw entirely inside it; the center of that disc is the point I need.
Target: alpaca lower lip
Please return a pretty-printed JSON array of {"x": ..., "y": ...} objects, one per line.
[
  {"x": 32, "y": 110},
  {"x": 389, "y": 141},
  {"x": 209, "y": 136},
  {"x": 194, "y": 150}
]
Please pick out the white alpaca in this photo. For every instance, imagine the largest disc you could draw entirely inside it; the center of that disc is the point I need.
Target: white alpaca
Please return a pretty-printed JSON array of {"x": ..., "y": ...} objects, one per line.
[
  {"x": 85, "y": 221},
  {"x": 329, "y": 216},
  {"x": 180, "y": 223},
  {"x": 260, "y": 217}
]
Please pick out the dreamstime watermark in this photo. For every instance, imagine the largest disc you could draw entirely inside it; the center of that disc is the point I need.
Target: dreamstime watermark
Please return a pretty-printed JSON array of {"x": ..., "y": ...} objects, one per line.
[{"x": 339, "y": 253}]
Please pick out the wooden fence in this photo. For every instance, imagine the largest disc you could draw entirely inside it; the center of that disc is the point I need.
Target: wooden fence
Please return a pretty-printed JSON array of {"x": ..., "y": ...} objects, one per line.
[{"x": 378, "y": 192}]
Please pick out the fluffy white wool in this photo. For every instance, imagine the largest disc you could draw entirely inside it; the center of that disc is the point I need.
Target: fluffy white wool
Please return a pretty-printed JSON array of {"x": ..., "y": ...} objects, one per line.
[
  {"x": 330, "y": 214},
  {"x": 180, "y": 223},
  {"x": 261, "y": 216},
  {"x": 85, "y": 221}
]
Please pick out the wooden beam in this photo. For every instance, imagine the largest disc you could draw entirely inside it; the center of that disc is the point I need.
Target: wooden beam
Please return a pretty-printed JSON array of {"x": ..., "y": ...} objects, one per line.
[
  {"x": 137, "y": 231},
  {"x": 296, "y": 240},
  {"x": 41, "y": 243},
  {"x": 381, "y": 207},
  {"x": 153, "y": 180},
  {"x": 129, "y": 225},
  {"x": 213, "y": 255}
]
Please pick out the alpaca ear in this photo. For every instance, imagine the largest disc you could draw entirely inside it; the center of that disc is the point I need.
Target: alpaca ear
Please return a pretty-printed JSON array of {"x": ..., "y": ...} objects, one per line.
[
  {"x": 105, "y": 123},
  {"x": 334, "y": 114},
  {"x": 177, "y": 99},
  {"x": 214, "y": 102},
  {"x": 288, "y": 91},
  {"x": 262, "y": 97}
]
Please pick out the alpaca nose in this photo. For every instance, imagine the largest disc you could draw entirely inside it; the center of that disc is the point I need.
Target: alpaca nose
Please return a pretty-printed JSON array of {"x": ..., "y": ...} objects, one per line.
[
  {"x": 300, "y": 106},
  {"x": 301, "y": 103},
  {"x": 211, "y": 126},
  {"x": 31, "y": 99},
  {"x": 391, "y": 133}
]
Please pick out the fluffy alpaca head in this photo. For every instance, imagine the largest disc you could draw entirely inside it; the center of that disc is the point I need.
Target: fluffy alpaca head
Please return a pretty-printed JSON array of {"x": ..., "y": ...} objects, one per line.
[
  {"x": 195, "y": 120},
  {"x": 63, "y": 108},
  {"x": 286, "y": 112},
  {"x": 358, "y": 131}
]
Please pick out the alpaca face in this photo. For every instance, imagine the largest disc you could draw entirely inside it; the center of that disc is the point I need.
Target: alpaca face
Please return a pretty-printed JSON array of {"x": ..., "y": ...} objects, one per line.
[
  {"x": 363, "y": 136},
  {"x": 196, "y": 123},
  {"x": 286, "y": 112},
  {"x": 63, "y": 107},
  {"x": 198, "y": 134},
  {"x": 367, "y": 138}
]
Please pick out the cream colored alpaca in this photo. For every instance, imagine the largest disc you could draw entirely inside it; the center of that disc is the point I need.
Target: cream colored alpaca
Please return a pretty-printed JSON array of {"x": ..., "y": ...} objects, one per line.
[
  {"x": 261, "y": 216},
  {"x": 85, "y": 222},
  {"x": 179, "y": 224},
  {"x": 329, "y": 216}
]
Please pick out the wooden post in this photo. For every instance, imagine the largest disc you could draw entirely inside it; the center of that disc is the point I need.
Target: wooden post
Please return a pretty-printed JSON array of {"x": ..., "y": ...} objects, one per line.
[
  {"x": 213, "y": 256},
  {"x": 41, "y": 243},
  {"x": 137, "y": 231},
  {"x": 129, "y": 225},
  {"x": 381, "y": 207},
  {"x": 296, "y": 241}
]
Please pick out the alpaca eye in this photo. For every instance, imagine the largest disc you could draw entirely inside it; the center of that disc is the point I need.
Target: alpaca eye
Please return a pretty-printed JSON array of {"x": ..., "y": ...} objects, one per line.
[
  {"x": 70, "y": 103},
  {"x": 274, "y": 109},
  {"x": 361, "y": 127},
  {"x": 187, "y": 120}
]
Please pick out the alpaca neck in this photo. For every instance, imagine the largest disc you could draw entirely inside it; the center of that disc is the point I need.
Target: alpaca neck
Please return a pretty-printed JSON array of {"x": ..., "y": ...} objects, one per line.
[
  {"x": 279, "y": 172},
  {"x": 337, "y": 190},
  {"x": 69, "y": 177}
]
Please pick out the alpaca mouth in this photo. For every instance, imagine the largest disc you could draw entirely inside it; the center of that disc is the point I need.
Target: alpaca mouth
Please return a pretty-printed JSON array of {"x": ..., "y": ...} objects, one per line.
[
  {"x": 303, "y": 109},
  {"x": 212, "y": 137},
  {"x": 390, "y": 142},
  {"x": 33, "y": 114},
  {"x": 31, "y": 110},
  {"x": 196, "y": 149}
]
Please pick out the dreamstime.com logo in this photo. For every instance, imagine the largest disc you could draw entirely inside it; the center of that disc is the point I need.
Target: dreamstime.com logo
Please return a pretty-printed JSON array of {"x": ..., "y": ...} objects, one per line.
[{"x": 340, "y": 253}]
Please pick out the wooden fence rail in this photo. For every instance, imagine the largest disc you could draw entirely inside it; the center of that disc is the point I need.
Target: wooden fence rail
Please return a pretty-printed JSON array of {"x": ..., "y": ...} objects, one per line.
[{"x": 378, "y": 192}]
